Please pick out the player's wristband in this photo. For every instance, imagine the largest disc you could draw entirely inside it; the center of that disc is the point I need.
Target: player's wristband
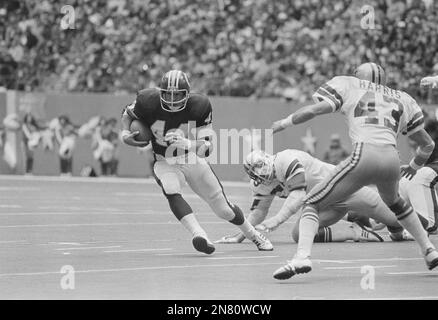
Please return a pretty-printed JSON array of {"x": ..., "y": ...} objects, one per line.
[
  {"x": 287, "y": 122},
  {"x": 413, "y": 165}
]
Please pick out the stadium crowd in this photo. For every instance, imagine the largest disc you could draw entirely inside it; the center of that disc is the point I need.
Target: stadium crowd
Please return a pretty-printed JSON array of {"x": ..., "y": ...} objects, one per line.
[{"x": 229, "y": 47}]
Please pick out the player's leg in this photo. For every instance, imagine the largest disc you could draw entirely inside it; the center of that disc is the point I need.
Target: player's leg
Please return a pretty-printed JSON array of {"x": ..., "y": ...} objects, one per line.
[
  {"x": 204, "y": 182},
  {"x": 388, "y": 189},
  {"x": 348, "y": 176},
  {"x": 420, "y": 193},
  {"x": 332, "y": 229},
  {"x": 259, "y": 211},
  {"x": 169, "y": 177},
  {"x": 366, "y": 203}
]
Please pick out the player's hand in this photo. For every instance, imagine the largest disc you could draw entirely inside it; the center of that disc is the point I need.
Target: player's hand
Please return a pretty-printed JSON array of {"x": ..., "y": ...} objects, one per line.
[
  {"x": 129, "y": 139},
  {"x": 268, "y": 225},
  {"x": 277, "y": 126},
  {"x": 177, "y": 140},
  {"x": 429, "y": 81},
  {"x": 408, "y": 172}
]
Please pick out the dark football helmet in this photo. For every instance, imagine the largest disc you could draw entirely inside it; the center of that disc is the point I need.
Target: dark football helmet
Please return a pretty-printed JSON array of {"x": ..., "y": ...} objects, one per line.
[
  {"x": 371, "y": 72},
  {"x": 174, "y": 90}
]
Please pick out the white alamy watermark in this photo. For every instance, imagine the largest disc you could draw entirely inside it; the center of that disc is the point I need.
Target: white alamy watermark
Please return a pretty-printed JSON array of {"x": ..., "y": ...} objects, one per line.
[
  {"x": 227, "y": 146},
  {"x": 68, "y": 278},
  {"x": 368, "y": 281},
  {"x": 68, "y": 20},
  {"x": 367, "y": 22}
]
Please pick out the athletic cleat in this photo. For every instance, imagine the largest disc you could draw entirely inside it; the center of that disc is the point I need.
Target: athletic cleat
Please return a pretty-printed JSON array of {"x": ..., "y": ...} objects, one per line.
[
  {"x": 237, "y": 238},
  {"x": 262, "y": 243},
  {"x": 293, "y": 267},
  {"x": 377, "y": 226},
  {"x": 202, "y": 244},
  {"x": 431, "y": 258},
  {"x": 364, "y": 234},
  {"x": 401, "y": 236}
]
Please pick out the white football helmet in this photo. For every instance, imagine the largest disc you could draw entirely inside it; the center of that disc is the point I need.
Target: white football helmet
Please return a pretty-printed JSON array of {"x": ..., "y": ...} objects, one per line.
[{"x": 259, "y": 165}]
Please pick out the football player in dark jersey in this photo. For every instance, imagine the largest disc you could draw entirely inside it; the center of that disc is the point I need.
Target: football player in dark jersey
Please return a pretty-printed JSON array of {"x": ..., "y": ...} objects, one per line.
[{"x": 172, "y": 112}]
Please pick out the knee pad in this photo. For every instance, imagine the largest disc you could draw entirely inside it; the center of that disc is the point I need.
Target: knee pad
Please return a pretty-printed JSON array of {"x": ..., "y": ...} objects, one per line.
[
  {"x": 401, "y": 209},
  {"x": 239, "y": 218}
]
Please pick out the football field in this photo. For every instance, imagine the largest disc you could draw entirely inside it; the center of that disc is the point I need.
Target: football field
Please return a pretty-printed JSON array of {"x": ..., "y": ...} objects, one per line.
[{"x": 109, "y": 238}]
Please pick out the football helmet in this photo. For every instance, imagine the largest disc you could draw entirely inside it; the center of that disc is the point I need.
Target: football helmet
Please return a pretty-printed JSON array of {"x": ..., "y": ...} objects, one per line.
[
  {"x": 260, "y": 167},
  {"x": 371, "y": 72},
  {"x": 174, "y": 91}
]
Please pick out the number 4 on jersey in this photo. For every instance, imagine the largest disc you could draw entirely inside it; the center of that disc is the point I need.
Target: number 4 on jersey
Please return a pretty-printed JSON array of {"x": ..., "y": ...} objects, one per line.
[{"x": 388, "y": 111}]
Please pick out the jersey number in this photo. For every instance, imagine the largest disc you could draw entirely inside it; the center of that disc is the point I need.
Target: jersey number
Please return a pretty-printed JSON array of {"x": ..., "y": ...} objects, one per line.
[
  {"x": 158, "y": 128},
  {"x": 387, "y": 113}
]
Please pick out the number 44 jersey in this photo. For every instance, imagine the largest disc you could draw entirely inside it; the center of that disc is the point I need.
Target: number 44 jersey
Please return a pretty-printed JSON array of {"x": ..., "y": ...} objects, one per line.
[
  {"x": 147, "y": 108},
  {"x": 375, "y": 113}
]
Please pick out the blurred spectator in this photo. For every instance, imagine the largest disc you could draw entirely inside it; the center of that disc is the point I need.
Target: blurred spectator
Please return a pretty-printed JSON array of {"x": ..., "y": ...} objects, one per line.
[
  {"x": 336, "y": 153},
  {"x": 106, "y": 141},
  {"x": 65, "y": 134},
  {"x": 31, "y": 139},
  {"x": 249, "y": 48}
]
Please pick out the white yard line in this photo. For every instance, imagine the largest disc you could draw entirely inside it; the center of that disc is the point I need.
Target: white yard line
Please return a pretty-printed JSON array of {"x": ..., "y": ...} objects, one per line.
[
  {"x": 139, "y": 250},
  {"x": 102, "y": 180},
  {"x": 357, "y": 267},
  {"x": 412, "y": 272},
  {"x": 66, "y": 225},
  {"x": 86, "y": 248},
  {"x": 139, "y": 269},
  {"x": 183, "y": 253},
  {"x": 242, "y": 257}
]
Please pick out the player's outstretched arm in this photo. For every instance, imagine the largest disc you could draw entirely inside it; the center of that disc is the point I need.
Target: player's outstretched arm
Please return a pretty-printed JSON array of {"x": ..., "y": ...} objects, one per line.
[
  {"x": 423, "y": 152},
  {"x": 128, "y": 137},
  {"x": 291, "y": 206},
  {"x": 429, "y": 81},
  {"x": 302, "y": 115}
]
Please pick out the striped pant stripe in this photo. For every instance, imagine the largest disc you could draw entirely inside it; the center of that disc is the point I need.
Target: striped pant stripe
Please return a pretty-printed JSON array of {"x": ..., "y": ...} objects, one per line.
[{"x": 325, "y": 191}]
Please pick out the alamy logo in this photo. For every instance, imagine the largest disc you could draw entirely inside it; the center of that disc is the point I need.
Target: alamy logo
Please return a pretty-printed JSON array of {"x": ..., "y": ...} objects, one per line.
[
  {"x": 68, "y": 279},
  {"x": 367, "y": 21},
  {"x": 229, "y": 146},
  {"x": 68, "y": 20},
  {"x": 369, "y": 278}
]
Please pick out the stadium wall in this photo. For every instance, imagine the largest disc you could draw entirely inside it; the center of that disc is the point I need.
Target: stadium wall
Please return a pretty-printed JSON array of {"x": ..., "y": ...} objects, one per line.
[{"x": 228, "y": 113}]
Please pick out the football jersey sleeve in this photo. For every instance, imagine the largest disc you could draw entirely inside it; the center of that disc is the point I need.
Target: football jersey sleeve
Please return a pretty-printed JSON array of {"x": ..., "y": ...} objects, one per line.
[
  {"x": 205, "y": 118},
  {"x": 334, "y": 92},
  {"x": 204, "y": 122},
  {"x": 295, "y": 178},
  {"x": 130, "y": 109},
  {"x": 414, "y": 116}
]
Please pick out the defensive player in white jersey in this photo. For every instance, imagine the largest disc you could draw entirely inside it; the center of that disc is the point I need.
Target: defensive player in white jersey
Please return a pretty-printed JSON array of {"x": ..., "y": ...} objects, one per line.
[
  {"x": 376, "y": 115},
  {"x": 290, "y": 174}
]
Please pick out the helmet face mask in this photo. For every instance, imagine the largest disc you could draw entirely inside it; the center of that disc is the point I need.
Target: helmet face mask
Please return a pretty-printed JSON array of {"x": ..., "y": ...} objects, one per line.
[
  {"x": 174, "y": 91},
  {"x": 260, "y": 167}
]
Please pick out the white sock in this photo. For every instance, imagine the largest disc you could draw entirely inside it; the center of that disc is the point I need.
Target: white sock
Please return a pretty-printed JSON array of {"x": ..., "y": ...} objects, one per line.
[
  {"x": 248, "y": 229},
  {"x": 309, "y": 223},
  {"x": 192, "y": 225},
  {"x": 415, "y": 228}
]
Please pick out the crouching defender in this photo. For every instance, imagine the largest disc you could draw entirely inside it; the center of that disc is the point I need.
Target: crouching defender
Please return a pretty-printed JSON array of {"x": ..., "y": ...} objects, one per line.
[
  {"x": 289, "y": 174},
  {"x": 168, "y": 111}
]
